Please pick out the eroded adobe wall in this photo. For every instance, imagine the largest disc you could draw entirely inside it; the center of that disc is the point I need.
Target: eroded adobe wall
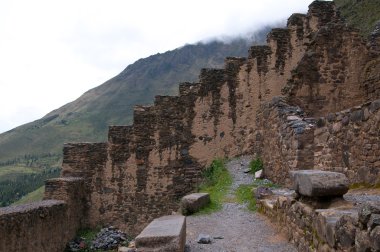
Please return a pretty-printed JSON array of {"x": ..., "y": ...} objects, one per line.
[
  {"x": 348, "y": 142},
  {"x": 45, "y": 225}
]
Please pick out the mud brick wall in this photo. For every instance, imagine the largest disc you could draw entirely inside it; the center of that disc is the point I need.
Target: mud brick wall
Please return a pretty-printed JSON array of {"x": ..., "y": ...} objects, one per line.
[
  {"x": 348, "y": 142},
  {"x": 45, "y": 225},
  {"x": 285, "y": 140}
]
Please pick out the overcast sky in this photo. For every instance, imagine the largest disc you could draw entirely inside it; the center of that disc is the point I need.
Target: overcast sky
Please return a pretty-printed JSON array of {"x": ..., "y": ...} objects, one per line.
[{"x": 53, "y": 51}]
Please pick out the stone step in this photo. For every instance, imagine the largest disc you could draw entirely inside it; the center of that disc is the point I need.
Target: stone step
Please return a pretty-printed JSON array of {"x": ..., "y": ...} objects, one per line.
[
  {"x": 164, "y": 234},
  {"x": 316, "y": 183}
]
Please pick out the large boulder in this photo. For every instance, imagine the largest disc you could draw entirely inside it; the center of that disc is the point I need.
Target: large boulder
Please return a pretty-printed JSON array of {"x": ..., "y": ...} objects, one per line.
[
  {"x": 315, "y": 183},
  {"x": 192, "y": 203},
  {"x": 164, "y": 234}
]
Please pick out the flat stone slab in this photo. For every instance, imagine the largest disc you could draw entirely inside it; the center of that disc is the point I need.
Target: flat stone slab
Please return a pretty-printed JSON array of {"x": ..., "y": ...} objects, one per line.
[
  {"x": 192, "y": 203},
  {"x": 315, "y": 183},
  {"x": 164, "y": 234}
]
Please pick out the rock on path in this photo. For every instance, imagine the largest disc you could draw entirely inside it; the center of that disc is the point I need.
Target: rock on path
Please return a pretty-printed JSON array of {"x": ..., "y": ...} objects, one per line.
[{"x": 241, "y": 230}]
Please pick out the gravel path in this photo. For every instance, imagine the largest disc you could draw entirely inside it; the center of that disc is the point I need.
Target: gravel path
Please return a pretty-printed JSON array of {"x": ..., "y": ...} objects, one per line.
[{"x": 240, "y": 229}]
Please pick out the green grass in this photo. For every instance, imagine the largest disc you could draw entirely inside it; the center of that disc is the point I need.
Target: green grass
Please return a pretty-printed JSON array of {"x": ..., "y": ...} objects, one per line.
[
  {"x": 256, "y": 165},
  {"x": 32, "y": 197},
  {"x": 217, "y": 182},
  {"x": 362, "y": 15},
  {"x": 244, "y": 196},
  {"x": 364, "y": 186},
  {"x": 12, "y": 171}
]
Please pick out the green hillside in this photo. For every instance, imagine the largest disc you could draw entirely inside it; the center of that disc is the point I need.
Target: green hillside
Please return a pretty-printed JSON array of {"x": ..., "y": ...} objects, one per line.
[
  {"x": 32, "y": 196},
  {"x": 362, "y": 14}
]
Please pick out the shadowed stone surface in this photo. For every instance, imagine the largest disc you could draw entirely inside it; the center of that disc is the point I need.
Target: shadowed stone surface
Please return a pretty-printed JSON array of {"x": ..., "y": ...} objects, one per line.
[
  {"x": 192, "y": 203},
  {"x": 314, "y": 183},
  {"x": 164, "y": 234}
]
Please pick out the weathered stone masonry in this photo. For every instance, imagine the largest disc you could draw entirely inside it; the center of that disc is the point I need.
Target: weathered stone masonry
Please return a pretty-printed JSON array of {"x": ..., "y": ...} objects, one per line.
[
  {"x": 46, "y": 225},
  {"x": 318, "y": 64}
]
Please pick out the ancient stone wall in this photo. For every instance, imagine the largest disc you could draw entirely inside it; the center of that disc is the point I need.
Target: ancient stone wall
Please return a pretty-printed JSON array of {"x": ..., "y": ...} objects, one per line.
[
  {"x": 337, "y": 225},
  {"x": 348, "y": 142},
  {"x": 143, "y": 169},
  {"x": 45, "y": 225},
  {"x": 284, "y": 140},
  {"x": 336, "y": 72}
]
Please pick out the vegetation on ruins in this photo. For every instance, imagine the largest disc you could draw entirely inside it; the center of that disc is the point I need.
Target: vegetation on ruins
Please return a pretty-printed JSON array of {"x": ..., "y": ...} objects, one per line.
[
  {"x": 216, "y": 182},
  {"x": 244, "y": 196},
  {"x": 244, "y": 193},
  {"x": 256, "y": 165}
]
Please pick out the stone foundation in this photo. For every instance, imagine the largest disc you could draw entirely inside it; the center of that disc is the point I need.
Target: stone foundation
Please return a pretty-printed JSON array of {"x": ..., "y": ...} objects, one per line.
[{"x": 324, "y": 226}]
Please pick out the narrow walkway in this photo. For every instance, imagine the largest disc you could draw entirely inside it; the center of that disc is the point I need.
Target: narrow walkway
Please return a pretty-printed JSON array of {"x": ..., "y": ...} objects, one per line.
[{"x": 241, "y": 230}]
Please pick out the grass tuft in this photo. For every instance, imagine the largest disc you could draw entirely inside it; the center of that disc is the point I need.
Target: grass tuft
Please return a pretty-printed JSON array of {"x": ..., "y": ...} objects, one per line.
[
  {"x": 256, "y": 165},
  {"x": 364, "y": 186},
  {"x": 244, "y": 196},
  {"x": 217, "y": 182}
]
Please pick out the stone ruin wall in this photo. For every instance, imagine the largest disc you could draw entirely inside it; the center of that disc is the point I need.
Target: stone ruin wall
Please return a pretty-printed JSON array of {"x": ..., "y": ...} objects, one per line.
[
  {"x": 284, "y": 140},
  {"x": 144, "y": 169},
  {"x": 348, "y": 142},
  {"x": 45, "y": 225},
  {"x": 337, "y": 78},
  {"x": 336, "y": 226}
]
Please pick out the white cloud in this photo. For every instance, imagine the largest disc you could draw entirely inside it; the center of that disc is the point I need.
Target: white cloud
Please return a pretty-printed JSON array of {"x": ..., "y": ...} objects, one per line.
[{"x": 53, "y": 50}]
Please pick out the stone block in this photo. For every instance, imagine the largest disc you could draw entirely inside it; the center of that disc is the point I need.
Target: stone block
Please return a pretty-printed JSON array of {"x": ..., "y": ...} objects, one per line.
[
  {"x": 375, "y": 238},
  {"x": 346, "y": 231},
  {"x": 374, "y": 221},
  {"x": 259, "y": 174},
  {"x": 192, "y": 203},
  {"x": 262, "y": 192},
  {"x": 315, "y": 183},
  {"x": 164, "y": 234},
  {"x": 362, "y": 242},
  {"x": 366, "y": 210}
]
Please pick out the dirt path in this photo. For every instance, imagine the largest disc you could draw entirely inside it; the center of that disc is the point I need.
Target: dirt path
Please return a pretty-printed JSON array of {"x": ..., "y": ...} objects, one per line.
[{"x": 241, "y": 230}]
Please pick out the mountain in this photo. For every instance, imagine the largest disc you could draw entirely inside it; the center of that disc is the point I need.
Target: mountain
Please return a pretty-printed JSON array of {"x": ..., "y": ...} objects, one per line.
[{"x": 362, "y": 14}]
